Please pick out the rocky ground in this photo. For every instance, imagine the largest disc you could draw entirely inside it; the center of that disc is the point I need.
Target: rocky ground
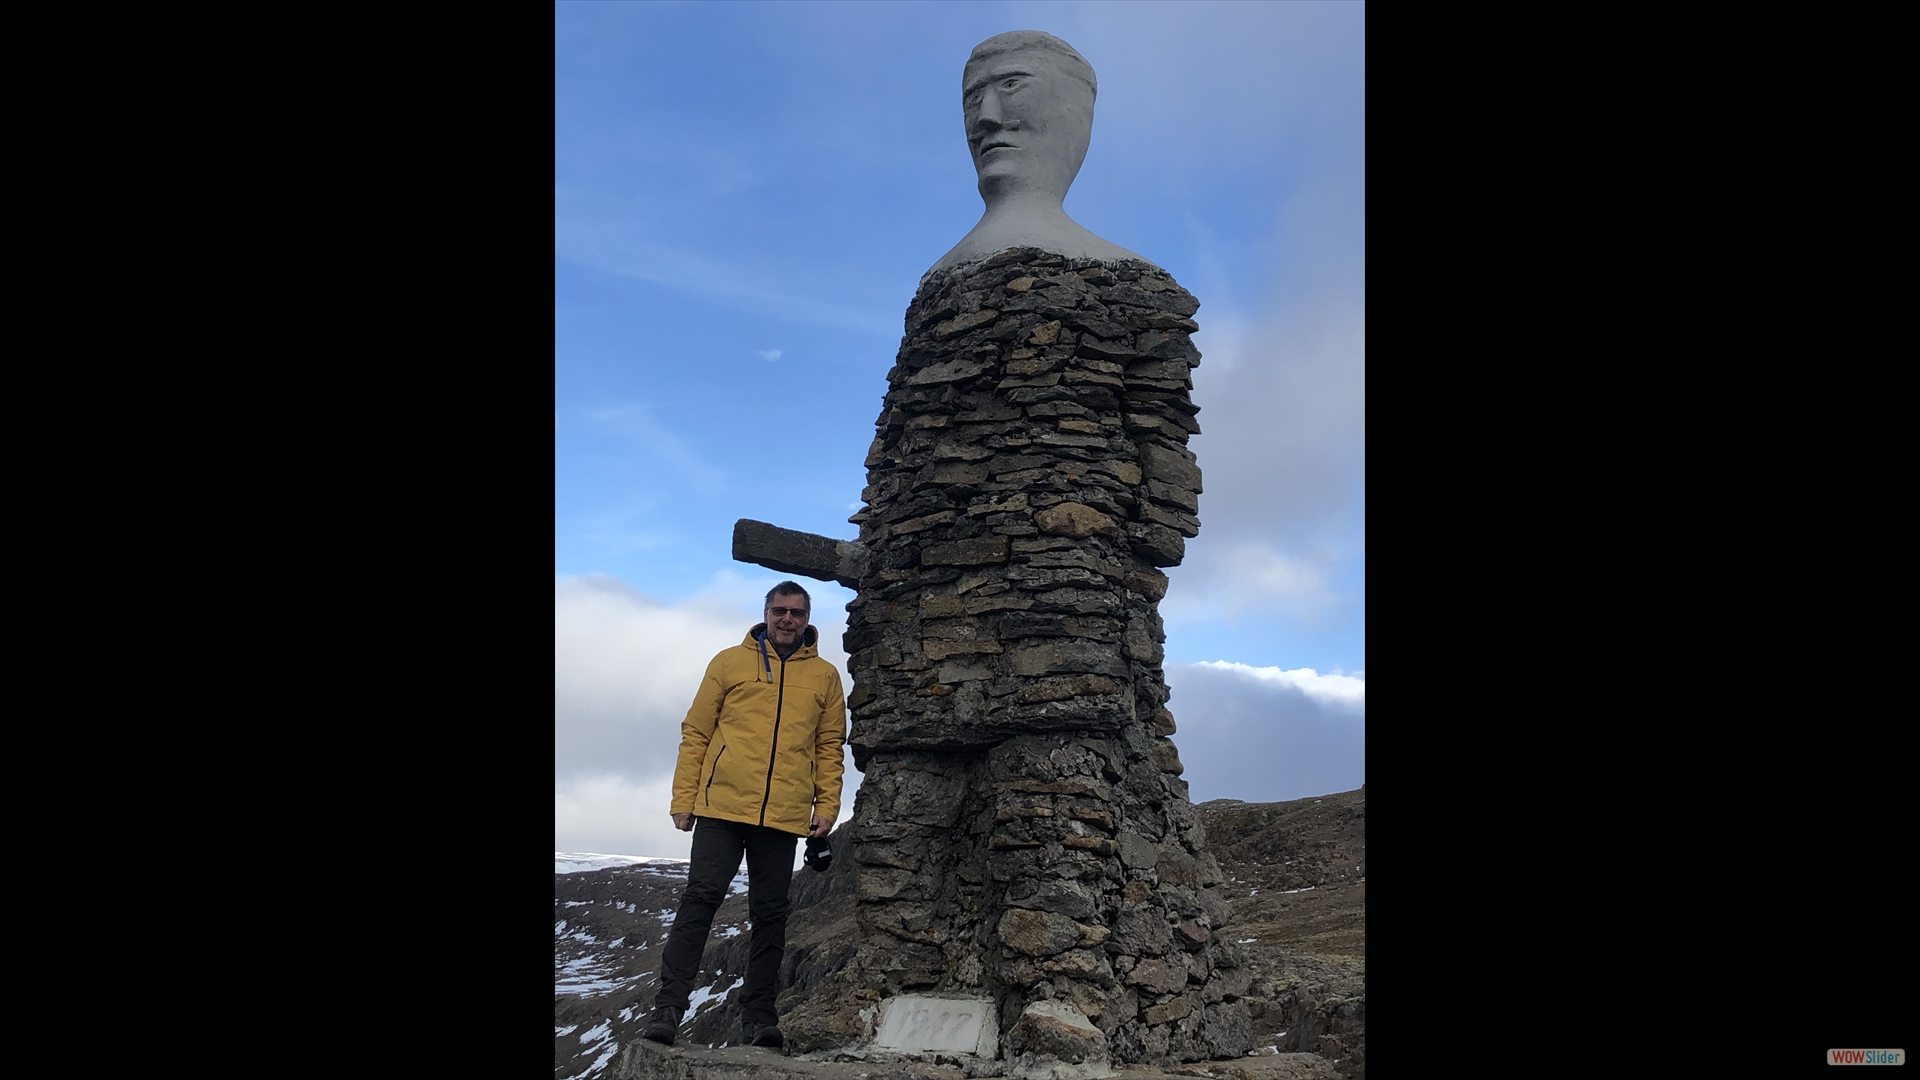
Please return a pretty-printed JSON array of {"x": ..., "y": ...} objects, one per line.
[{"x": 1298, "y": 870}]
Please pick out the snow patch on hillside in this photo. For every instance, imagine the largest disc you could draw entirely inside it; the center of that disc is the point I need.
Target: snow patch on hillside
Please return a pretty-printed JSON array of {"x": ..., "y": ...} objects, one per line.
[{"x": 703, "y": 995}]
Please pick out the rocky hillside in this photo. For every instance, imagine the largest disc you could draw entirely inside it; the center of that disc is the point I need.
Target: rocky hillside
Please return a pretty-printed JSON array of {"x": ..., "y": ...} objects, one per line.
[
  {"x": 1299, "y": 870},
  {"x": 609, "y": 925}
]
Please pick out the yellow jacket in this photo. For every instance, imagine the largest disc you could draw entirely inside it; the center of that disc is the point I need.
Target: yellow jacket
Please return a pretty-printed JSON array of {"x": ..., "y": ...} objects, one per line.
[{"x": 761, "y": 743}]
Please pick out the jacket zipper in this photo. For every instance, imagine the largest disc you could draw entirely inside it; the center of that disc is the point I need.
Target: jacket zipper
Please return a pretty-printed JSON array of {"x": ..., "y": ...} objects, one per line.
[
  {"x": 715, "y": 772},
  {"x": 773, "y": 752}
]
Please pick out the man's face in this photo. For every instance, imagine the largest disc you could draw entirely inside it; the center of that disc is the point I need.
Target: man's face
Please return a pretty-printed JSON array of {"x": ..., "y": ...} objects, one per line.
[
  {"x": 786, "y": 618},
  {"x": 1028, "y": 122}
]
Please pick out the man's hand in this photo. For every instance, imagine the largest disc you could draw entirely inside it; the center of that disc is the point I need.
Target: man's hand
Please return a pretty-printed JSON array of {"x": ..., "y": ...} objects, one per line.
[
  {"x": 821, "y": 826},
  {"x": 684, "y": 822}
]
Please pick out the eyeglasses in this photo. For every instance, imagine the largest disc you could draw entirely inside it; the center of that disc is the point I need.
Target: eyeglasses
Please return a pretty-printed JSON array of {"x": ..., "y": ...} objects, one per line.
[{"x": 782, "y": 612}]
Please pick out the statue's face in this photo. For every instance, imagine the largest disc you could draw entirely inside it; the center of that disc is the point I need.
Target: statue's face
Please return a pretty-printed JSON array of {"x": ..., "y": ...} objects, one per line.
[{"x": 1028, "y": 122}]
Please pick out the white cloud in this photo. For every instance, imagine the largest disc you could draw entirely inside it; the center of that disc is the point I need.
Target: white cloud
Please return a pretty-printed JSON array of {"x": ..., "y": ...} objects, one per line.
[
  {"x": 624, "y": 671},
  {"x": 1283, "y": 455},
  {"x": 1264, "y": 734},
  {"x": 769, "y": 354},
  {"x": 1203, "y": 102},
  {"x": 1284, "y": 420},
  {"x": 1337, "y": 689},
  {"x": 1233, "y": 577},
  {"x": 610, "y": 813},
  {"x": 625, "y": 667}
]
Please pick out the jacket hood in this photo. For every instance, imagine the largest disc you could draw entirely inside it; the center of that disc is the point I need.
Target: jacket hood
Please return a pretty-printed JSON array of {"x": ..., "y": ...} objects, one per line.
[
  {"x": 757, "y": 641},
  {"x": 808, "y": 637}
]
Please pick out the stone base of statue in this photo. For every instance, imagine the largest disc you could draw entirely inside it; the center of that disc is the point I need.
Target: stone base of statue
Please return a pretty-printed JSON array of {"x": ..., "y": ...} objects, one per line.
[{"x": 1022, "y": 836}]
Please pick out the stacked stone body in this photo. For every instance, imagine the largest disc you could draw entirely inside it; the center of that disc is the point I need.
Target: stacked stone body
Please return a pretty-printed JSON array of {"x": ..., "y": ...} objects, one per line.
[{"x": 1022, "y": 832}]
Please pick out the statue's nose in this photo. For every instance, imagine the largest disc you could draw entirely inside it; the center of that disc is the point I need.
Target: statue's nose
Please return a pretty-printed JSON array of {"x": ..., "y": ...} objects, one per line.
[{"x": 989, "y": 117}]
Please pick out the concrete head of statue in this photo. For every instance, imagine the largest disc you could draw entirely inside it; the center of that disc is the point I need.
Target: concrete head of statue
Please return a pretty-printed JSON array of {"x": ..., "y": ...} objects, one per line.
[{"x": 1028, "y": 101}]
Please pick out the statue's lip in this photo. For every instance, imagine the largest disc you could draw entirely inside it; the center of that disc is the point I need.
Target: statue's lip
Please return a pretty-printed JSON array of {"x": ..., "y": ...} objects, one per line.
[{"x": 984, "y": 147}]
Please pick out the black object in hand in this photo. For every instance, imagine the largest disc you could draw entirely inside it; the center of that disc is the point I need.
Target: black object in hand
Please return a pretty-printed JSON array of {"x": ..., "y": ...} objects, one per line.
[{"x": 819, "y": 853}]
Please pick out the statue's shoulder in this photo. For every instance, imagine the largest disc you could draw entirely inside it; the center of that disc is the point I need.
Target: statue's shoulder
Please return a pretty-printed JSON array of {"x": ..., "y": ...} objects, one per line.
[
  {"x": 963, "y": 261},
  {"x": 1054, "y": 235}
]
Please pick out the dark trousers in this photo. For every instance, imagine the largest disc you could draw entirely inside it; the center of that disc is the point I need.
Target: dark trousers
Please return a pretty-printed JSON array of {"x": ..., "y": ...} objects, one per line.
[{"x": 717, "y": 846}]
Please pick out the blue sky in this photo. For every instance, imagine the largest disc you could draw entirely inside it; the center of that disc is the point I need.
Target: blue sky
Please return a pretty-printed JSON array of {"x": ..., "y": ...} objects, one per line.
[{"x": 746, "y": 195}]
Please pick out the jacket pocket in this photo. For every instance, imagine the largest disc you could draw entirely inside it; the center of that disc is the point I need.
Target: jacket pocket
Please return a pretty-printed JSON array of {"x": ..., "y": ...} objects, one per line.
[{"x": 714, "y": 773}]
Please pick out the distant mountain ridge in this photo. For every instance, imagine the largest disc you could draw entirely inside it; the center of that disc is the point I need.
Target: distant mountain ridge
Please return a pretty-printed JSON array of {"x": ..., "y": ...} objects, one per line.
[{"x": 573, "y": 862}]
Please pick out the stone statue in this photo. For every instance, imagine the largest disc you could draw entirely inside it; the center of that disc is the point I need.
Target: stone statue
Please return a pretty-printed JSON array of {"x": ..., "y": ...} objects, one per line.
[
  {"x": 1027, "y": 98},
  {"x": 1022, "y": 845}
]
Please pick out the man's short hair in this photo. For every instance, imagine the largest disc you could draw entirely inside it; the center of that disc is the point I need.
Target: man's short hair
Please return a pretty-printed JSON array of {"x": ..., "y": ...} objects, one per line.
[{"x": 789, "y": 588}]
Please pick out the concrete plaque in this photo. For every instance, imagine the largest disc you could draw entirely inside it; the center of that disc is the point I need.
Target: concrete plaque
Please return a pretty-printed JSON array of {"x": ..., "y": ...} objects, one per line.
[{"x": 917, "y": 1023}]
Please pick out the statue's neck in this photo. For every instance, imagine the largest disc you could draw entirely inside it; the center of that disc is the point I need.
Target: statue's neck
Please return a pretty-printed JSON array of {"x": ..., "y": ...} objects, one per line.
[
  {"x": 1030, "y": 218},
  {"x": 1024, "y": 204}
]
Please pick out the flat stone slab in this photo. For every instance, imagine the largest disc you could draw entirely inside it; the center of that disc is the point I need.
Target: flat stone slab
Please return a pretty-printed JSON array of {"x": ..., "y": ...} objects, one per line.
[{"x": 920, "y": 1023}]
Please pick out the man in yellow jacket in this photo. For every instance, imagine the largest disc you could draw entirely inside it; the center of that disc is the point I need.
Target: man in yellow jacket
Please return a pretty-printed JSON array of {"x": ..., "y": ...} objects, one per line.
[{"x": 759, "y": 768}]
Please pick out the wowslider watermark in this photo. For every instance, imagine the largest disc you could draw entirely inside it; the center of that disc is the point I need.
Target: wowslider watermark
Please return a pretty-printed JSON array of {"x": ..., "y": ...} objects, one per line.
[{"x": 1866, "y": 1057}]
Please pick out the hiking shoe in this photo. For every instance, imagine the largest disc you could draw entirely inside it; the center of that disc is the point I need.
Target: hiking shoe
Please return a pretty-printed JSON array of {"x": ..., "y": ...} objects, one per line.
[
  {"x": 662, "y": 1026},
  {"x": 768, "y": 1037}
]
